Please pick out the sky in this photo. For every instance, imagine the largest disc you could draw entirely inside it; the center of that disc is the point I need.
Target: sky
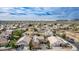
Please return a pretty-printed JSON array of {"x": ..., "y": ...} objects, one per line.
[{"x": 38, "y": 13}]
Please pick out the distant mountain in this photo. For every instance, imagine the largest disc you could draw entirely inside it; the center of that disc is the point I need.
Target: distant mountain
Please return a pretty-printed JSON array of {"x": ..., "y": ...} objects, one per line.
[
  {"x": 68, "y": 20},
  {"x": 62, "y": 20},
  {"x": 75, "y": 20}
]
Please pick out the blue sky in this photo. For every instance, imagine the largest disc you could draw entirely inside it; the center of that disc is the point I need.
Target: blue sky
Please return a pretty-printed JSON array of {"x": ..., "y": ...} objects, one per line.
[{"x": 37, "y": 13}]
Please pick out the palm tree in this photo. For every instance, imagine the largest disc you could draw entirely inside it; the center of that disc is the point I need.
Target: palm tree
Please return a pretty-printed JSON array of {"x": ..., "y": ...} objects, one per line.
[
  {"x": 30, "y": 45},
  {"x": 48, "y": 44},
  {"x": 54, "y": 32}
]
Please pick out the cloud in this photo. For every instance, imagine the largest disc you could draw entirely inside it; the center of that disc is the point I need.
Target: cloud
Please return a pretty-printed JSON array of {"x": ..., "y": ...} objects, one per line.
[{"x": 39, "y": 12}]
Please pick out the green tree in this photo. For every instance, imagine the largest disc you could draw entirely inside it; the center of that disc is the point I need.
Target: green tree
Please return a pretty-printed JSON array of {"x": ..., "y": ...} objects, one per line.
[
  {"x": 64, "y": 36},
  {"x": 11, "y": 44},
  {"x": 16, "y": 35}
]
